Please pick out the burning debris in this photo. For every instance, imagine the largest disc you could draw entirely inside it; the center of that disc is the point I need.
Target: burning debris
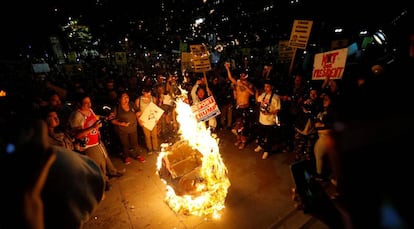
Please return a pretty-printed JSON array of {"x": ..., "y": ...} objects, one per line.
[{"x": 192, "y": 169}]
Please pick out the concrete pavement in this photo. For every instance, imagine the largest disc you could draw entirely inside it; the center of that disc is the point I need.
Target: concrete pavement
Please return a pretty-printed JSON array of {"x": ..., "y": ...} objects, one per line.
[{"x": 259, "y": 195}]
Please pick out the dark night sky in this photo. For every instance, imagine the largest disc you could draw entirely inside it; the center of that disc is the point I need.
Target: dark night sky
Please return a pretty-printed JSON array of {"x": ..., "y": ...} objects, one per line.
[
  {"x": 35, "y": 20},
  {"x": 22, "y": 21}
]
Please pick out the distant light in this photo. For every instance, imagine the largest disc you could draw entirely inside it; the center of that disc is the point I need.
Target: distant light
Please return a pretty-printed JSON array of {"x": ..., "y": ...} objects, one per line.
[
  {"x": 338, "y": 30},
  {"x": 390, "y": 218},
  {"x": 380, "y": 37},
  {"x": 293, "y": 2},
  {"x": 199, "y": 21},
  {"x": 10, "y": 148}
]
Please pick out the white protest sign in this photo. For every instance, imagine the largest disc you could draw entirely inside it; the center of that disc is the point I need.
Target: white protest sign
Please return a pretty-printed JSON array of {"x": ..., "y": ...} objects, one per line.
[
  {"x": 329, "y": 64},
  {"x": 151, "y": 115},
  {"x": 206, "y": 109}
]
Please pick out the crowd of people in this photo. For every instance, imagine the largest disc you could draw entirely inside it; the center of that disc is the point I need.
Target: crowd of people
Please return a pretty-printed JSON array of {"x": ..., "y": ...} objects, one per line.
[{"x": 278, "y": 114}]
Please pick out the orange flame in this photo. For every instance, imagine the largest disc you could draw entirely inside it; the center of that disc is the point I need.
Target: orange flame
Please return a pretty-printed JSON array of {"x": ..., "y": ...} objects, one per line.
[{"x": 213, "y": 184}]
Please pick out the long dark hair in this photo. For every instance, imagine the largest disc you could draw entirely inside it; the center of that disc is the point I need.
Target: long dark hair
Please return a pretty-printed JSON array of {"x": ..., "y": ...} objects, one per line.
[{"x": 202, "y": 87}]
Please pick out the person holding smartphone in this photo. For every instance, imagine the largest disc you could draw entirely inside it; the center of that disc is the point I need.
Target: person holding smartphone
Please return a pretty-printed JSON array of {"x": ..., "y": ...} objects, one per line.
[
  {"x": 85, "y": 125},
  {"x": 125, "y": 121}
]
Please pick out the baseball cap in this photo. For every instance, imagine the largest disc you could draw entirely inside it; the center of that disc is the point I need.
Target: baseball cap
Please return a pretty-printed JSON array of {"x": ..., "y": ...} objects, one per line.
[{"x": 244, "y": 74}]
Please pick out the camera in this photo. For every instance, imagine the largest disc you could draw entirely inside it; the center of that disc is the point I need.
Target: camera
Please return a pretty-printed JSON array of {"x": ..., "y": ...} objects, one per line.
[
  {"x": 103, "y": 119},
  {"x": 82, "y": 142},
  {"x": 264, "y": 107}
]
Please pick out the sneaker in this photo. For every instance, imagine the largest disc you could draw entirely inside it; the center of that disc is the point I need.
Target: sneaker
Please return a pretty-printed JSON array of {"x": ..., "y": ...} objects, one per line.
[
  {"x": 334, "y": 182},
  {"x": 258, "y": 149},
  {"x": 234, "y": 131},
  {"x": 119, "y": 173},
  {"x": 265, "y": 155},
  {"x": 242, "y": 145},
  {"x": 237, "y": 143},
  {"x": 140, "y": 159},
  {"x": 127, "y": 160}
]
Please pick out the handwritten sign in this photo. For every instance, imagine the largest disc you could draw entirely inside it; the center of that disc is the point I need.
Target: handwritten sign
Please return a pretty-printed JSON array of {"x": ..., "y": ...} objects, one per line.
[
  {"x": 329, "y": 64},
  {"x": 151, "y": 115}
]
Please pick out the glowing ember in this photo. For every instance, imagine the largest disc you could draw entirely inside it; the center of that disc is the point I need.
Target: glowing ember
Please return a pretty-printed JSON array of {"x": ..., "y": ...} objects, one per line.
[{"x": 192, "y": 169}]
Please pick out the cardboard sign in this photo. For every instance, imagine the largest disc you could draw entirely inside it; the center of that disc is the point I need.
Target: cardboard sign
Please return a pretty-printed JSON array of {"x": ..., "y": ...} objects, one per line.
[
  {"x": 151, "y": 115},
  {"x": 202, "y": 65},
  {"x": 121, "y": 58},
  {"x": 206, "y": 109},
  {"x": 186, "y": 64},
  {"x": 285, "y": 51},
  {"x": 300, "y": 33},
  {"x": 200, "y": 58},
  {"x": 329, "y": 64}
]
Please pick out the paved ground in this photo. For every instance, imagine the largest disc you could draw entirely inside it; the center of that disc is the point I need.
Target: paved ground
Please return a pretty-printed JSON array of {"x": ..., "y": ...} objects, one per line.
[{"x": 259, "y": 195}]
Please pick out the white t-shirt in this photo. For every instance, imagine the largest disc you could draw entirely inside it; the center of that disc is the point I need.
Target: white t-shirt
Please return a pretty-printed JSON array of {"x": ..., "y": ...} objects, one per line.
[{"x": 273, "y": 105}]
